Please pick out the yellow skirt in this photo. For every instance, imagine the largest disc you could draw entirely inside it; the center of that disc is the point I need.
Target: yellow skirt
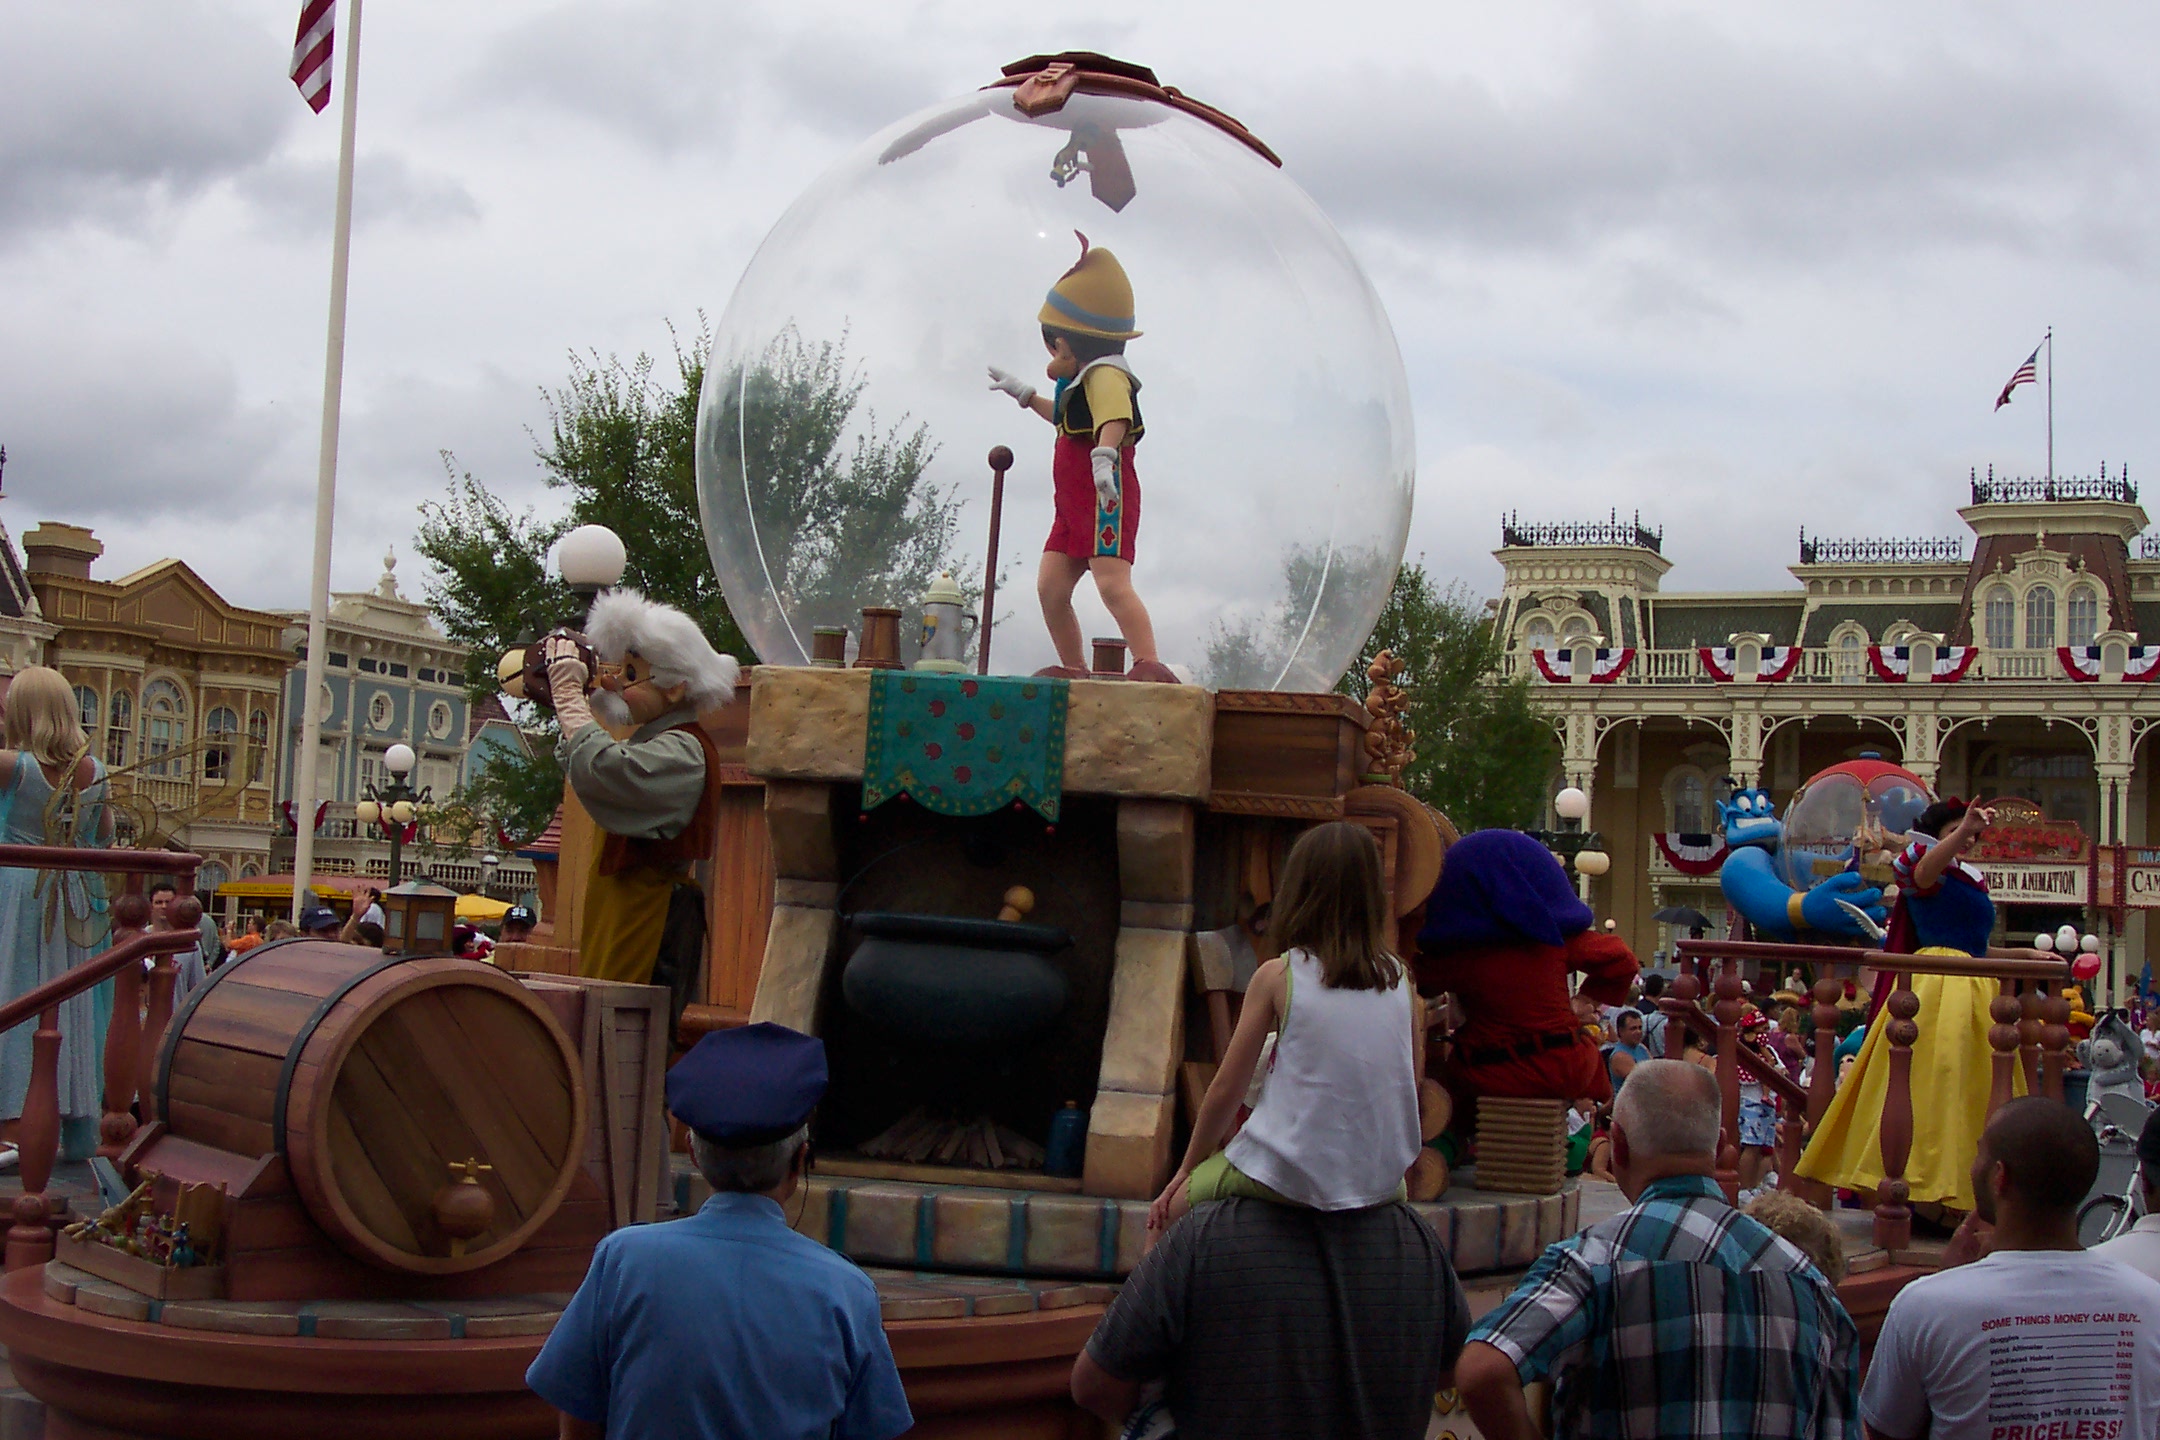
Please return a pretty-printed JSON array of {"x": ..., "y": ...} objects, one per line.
[
  {"x": 1952, "y": 1070},
  {"x": 620, "y": 926}
]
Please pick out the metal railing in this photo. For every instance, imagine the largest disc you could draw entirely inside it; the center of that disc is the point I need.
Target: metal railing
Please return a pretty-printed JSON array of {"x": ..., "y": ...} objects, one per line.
[
  {"x": 2006, "y": 491},
  {"x": 1948, "y": 550},
  {"x": 1630, "y": 533}
]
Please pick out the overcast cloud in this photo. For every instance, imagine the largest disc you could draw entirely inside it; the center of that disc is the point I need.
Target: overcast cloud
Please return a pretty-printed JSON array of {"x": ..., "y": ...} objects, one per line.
[{"x": 1740, "y": 269}]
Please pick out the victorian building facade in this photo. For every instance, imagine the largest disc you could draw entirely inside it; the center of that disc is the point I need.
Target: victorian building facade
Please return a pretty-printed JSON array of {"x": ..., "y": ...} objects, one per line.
[
  {"x": 390, "y": 677},
  {"x": 2017, "y": 671},
  {"x": 180, "y": 693}
]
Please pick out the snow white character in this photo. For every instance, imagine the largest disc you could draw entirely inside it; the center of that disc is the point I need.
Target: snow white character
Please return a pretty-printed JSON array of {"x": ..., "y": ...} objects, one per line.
[{"x": 1086, "y": 320}]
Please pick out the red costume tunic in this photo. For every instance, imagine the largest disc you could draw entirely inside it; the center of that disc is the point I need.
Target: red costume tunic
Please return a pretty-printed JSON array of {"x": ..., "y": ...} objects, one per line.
[{"x": 1520, "y": 1036}]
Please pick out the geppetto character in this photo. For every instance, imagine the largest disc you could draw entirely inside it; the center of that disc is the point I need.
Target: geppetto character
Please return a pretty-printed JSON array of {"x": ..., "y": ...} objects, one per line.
[
  {"x": 1086, "y": 320},
  {"x": 656, "y": 794}
]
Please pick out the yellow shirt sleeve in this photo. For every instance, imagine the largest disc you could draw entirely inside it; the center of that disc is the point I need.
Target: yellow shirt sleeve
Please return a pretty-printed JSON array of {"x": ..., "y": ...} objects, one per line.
[{"x": 1109, "y": 395}]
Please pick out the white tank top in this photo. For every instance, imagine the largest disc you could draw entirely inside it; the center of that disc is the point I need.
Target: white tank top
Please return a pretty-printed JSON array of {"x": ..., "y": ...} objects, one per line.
[{"x": 1337, "y": 1125}]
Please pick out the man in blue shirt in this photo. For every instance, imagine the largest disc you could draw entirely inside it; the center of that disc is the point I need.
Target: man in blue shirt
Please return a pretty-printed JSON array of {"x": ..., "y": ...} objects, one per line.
[{"x": 728, "y": 1323}]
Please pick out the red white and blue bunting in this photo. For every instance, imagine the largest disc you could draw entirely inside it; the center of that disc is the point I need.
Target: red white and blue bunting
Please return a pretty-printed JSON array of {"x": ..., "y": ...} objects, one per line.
[
  {"x": 1558, "y": 666},
  {"x": 2082, "y": 662},
  {"x": 1692, "y": 854},
  {"x": 1778, "y": 662},
  {"x": 1894, "y": 662}
]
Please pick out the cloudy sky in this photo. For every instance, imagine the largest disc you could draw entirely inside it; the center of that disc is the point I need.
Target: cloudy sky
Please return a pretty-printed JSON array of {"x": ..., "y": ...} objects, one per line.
[{"x": 1741, "y": 268}]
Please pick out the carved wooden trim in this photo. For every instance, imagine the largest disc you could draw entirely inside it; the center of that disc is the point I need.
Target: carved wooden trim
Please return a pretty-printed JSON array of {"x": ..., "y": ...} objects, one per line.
[
  {"x": 1276, "y": 807},
  {"x": 1286, "y": 702}
]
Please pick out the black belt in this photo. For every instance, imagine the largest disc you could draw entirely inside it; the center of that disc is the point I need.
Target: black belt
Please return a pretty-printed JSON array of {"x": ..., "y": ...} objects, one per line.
[{"x": 1522, "y": 1049}]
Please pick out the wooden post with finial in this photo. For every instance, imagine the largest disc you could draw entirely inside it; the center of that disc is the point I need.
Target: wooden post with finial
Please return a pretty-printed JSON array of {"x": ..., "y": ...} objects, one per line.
[
  {"x": 1893, "y": 1217},
  {"x": 1726, "y": 1010},
  {"x": 2005, "y": 1011},
  {"x": 1001, "y": 459},
  {"x": 2054, "y": 1045}
]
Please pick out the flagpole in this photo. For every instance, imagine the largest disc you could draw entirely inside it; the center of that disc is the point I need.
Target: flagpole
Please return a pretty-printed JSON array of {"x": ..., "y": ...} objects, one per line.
[
  {"x": 2050, "y": 409},
  {"x": 304, "y": 789}
]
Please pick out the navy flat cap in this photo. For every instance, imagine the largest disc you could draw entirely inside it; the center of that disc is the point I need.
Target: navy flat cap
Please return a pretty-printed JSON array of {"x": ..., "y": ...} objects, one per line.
[{"x": 748, "y": 1086}]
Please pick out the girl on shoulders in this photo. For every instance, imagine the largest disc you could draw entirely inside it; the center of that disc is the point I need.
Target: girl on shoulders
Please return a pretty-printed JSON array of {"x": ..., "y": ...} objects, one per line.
[{"x": 1337, "y": 1122}]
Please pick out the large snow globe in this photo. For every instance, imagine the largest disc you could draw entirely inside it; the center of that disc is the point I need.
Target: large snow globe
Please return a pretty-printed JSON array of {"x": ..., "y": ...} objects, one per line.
[
  {"x": 846, "y": 419},
  {"x": 1847, "y": 816}
]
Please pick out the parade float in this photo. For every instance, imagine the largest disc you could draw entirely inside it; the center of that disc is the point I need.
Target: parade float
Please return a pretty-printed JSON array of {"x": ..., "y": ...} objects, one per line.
[{"x": 1020, "y": 909}]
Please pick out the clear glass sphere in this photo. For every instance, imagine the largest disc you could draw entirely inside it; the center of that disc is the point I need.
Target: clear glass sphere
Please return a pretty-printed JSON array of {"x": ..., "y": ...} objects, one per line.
[
  {"x": 846, "y": 417},
  {"x": 1830, "y": 816}
]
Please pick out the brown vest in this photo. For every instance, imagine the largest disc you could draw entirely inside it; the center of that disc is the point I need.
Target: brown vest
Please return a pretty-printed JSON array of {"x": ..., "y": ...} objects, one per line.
[{"x": 619, "y": 853}]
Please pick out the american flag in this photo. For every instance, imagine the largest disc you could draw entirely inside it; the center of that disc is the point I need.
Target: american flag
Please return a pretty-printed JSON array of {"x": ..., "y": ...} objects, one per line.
[
  {"x": 311, "y": 53},
  {"x": 2026, "y": 374}
]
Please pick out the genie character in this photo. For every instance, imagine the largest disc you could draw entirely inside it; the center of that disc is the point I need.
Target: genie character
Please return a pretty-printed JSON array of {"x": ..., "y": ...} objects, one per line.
[{"x": 1749, "y": 878}]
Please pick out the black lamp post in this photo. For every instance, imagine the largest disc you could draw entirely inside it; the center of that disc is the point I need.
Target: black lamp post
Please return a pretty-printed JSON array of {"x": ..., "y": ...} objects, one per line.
[
  {"x": 396, "y": 802},
  {"x": 1578, "y": 847}
]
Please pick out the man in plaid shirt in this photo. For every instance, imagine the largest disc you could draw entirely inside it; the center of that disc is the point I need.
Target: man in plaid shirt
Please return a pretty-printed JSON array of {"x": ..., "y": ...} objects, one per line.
[{"x": 1678, "y": 1317}]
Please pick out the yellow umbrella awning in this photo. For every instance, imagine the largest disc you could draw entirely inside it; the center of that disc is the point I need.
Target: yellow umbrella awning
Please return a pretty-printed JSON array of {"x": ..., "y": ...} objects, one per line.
[{"x": 480, "y": 907}]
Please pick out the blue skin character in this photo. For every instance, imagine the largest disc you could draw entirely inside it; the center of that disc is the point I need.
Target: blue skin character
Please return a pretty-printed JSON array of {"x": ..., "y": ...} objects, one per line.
[{"x": 1751, "y": 884}]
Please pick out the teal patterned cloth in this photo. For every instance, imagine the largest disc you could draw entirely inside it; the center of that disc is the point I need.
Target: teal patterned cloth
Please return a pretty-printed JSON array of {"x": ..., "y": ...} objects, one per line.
[{"x": 965, "y": 744}]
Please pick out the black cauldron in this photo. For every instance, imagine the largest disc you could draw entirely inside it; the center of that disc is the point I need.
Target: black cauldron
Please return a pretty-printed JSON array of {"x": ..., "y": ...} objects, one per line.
[{"x": 948, "y": 980}]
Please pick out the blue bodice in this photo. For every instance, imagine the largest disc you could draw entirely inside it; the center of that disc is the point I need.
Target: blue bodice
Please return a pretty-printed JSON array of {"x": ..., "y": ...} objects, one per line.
[{"x": 1958, "y": 916}]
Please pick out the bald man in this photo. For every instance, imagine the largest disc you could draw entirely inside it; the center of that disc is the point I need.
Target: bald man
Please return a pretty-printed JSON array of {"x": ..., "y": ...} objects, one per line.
[{"x": 1769, "y": 1351}]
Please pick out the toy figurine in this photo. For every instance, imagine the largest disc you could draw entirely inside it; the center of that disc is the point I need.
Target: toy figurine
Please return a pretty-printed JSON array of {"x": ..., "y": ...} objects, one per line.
[
  {"x": 1749, "y": 877},
  {"x": 656, "y": 794},
  {"x": 183, "y": 1249},
  {"x": 2111, "y": 1055},
  {"x": 1086, "y": 320}
]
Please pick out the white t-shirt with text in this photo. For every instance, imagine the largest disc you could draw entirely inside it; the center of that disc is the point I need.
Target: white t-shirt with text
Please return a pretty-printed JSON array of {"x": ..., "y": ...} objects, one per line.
[{"x": 2023, "y": 1345}]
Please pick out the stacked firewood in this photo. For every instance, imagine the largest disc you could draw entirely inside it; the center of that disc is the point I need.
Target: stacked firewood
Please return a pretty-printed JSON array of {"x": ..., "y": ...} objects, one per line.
[{"x": 921, "y": 1138}]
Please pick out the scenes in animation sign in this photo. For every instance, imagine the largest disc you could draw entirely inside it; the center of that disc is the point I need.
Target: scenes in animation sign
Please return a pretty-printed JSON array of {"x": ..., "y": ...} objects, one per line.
[{"x": 2038, "y": 884}]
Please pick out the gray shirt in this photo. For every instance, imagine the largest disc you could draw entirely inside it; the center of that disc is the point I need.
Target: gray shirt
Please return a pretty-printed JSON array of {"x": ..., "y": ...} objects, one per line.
[
  {"x": 1276, "y": 1321},
  {"x": 643, "y": 788}
]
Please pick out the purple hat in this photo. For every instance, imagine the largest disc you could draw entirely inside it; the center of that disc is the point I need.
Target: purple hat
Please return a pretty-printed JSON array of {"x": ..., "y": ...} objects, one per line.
[{"x": 749, "y": 1086}]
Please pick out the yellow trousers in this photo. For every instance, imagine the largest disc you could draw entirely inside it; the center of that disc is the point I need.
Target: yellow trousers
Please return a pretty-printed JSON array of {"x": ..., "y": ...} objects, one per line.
[{"x": 1952, "y": 1071}]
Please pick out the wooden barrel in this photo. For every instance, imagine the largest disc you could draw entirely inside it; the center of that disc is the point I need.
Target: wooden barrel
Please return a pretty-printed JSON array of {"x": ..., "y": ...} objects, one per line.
[{"x": 373, "y": 1077}]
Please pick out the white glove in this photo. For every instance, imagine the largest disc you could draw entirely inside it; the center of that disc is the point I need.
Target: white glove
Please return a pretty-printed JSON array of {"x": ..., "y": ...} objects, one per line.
[
  {"x": 1021, "y": 392},
  {"x": 566, "y": 684},
  {"x": 1105, "y": 460}
]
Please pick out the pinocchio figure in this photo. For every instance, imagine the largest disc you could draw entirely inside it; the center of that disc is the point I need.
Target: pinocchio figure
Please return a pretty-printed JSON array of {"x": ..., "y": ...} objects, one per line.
[{"x": 1086, "y": 320}]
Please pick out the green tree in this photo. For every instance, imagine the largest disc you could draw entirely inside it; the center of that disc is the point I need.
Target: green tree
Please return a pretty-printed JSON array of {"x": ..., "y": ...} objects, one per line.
[
  {"x": 1484, "y": 753},
  {"x": 838, "y": 523},
  {"x": 839, "y": 519}
]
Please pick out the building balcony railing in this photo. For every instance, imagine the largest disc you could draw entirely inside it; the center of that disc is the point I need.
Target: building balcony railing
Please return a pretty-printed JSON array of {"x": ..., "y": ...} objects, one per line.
[
  {"x": 1947, "y": 550},
  {"x": 1822, "y": 666},
  {"x": 1990, "y": 490},
  {"x": 1629, "y": 534}
]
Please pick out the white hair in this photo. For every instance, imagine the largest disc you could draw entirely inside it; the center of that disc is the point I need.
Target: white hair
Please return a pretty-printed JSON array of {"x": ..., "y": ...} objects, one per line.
[
  {"x": 1669, "y": 1107},
  {"x": 623, "y": 621},
  {"x": 750, "y": 1170}
]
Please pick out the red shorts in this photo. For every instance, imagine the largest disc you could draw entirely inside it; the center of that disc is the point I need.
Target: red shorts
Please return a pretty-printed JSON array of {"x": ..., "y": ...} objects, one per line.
[{"x": 1083, "y": 529}]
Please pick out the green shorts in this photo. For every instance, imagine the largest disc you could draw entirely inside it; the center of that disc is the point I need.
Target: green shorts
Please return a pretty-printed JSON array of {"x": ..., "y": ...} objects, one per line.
[{"x": 1215, "y": 1178}]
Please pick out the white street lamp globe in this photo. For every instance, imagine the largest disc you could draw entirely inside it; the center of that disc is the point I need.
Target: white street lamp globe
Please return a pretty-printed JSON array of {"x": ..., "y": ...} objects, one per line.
[
  {"x": 399, "y": 759},
  {"x": 490, "y": 860},
  {"x": 367, "y": 812},
  {"x": 1571, "y": 804},
  {"x": 402, "y": 812},
  {"x": 1592, "y": 863},
  {"x": 2043, "y": 941},
  {"x": 591, "y": 557},
  {"x": 2066, "y": 939},
  {"x": 2090, "y": 944}
]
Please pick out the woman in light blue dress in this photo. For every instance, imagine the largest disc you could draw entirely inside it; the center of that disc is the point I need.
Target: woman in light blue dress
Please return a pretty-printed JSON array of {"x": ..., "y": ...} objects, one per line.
[{"x": 52, "y": 792}]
